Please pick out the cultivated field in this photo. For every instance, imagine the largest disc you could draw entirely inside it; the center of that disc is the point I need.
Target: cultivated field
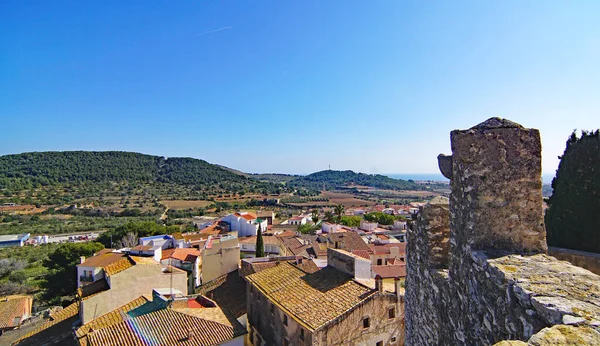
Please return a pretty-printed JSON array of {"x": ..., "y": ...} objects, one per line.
[
  {"x": 184, "y": 204},
  {"x": 348, "y": 200}
]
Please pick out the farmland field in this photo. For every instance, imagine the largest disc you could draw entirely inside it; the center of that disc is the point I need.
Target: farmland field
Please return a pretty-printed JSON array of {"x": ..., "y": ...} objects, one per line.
[
  {"x": 346, "y": 199},
  {"x": 185, "y": 204}
]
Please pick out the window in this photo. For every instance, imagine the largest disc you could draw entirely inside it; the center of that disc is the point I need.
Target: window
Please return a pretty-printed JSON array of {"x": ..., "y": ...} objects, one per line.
[
  {"x": 366, "y": 322},
  {"x": 285, "y": 320},
  {"x": 380, "y": 343},
  {"x": 391, "y": 313},
  {"x": 393, "y": 339},
  {"x": 301, "y": 334},
  {"x": 379, "y": 262}
]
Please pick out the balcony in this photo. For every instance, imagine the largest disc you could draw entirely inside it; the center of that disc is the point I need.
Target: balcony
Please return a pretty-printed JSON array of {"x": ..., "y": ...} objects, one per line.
[{"x": 86, "y": 279}]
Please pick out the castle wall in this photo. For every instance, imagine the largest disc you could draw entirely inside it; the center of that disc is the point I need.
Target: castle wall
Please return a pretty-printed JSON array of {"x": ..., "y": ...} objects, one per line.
[{"x": 495, "y": 281}]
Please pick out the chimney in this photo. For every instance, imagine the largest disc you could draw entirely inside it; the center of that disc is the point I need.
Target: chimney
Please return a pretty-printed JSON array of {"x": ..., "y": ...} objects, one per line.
[
  {"x": 397, "y": 287},
  {"x": 191, "y": 334},
  {"x": 378, "y": 283},
  {"x": 81, "y": 259}
]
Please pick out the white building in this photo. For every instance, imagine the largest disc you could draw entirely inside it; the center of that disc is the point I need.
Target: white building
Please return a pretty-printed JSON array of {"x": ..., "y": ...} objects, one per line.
[
  {"x": 330, "y": 227},
  {"x": 246, "y": 224},
  {"x": 368, "y": 226},
  {"x": 298, "y": 220},
  {"x": 389, "y": 211}
]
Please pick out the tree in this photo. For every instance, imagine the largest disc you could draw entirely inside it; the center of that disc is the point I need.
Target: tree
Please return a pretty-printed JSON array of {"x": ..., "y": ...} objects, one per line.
[
  {"x": 129, "y": 240},
  {"x": 260, "y": 246},
  {"x": 339, "y": 212},
  {"x": 572, "y": 217},
  {"x": 328, "y": 216},
  {"x": 61, "y": 279},
  {"x": 315, "y": 216}
]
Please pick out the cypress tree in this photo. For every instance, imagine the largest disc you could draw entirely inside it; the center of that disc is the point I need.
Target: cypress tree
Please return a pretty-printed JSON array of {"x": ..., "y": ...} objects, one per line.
[
  {"x": 260, "y": 246},
  {"x": 573, "y": 215}
]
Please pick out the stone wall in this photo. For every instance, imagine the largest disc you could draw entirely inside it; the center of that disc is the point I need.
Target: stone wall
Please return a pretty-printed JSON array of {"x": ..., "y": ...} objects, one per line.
[
  {"x": 495, "y": 281},
  {"x": 587, "y": 260}
]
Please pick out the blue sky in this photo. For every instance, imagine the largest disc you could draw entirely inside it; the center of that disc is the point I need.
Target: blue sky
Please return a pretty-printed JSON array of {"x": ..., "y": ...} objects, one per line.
[{"x": 293, "y": 86}]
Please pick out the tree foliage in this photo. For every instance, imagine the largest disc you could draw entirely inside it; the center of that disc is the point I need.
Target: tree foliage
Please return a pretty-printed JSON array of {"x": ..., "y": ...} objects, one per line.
[
  {"x": 33, "y": 170},
  {"x": 339, "y": 212},
  {"x": 329, "y": 180},
  {"x": 573, "y": 216},
  {"x": 260, "y": 245},
  {"x": 61, "y": 279},
  {"x": 380, "y": 217},
  {"x": 351, "y": 221},
  {"x": 138, "y": 229}
]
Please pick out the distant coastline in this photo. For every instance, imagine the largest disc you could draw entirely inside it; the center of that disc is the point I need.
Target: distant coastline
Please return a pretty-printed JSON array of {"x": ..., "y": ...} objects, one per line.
[{"x": 546, "y": 178}]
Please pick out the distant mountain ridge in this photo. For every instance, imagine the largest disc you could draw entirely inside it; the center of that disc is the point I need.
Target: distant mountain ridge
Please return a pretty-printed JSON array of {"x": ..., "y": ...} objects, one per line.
[{"x": 330, "y": 179}]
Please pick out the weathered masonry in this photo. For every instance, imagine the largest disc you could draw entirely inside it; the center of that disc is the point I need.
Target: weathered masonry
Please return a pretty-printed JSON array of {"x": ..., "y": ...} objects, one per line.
[{"x": 477, "y": 269}]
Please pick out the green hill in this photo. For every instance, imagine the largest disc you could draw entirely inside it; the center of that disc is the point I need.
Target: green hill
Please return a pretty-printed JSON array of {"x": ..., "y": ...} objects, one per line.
[
  {"x": 330, "y": 180},
  {"x": 92, "y": 168}
]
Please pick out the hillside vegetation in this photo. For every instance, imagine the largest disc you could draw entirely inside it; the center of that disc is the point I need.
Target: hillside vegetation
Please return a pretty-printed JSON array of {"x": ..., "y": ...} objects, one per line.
[
  {"x": 90, "y": 170},
  {"x": 573, "y": 216},
  {"x": 329, "y": 180}
]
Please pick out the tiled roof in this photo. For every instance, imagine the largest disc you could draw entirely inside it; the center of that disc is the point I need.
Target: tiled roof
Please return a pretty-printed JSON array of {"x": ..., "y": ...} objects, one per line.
[
  {"x": 294, "y": 245},
  {"x": 267, "y": 240},
  {"x": 349, "y": 241},
  {"x": 286, "y": 234},
  {"x": 118, "y": 266},
  {"x": 391, "y": 271},
  {"x": 247, "y": 216},
  {"x": 385, "y": 248},
  {"x": 12, "y": 309},
  {"x": 110, "y": 318},
  {"x": 102, "y": 259},
  {"x": 164, "y": 327},
  {"x": 228, "y": 291},
  {"x": 142, "y": 260},
  {"x": 362, "y": 253},
  {"x": 55, "y": 318},
  {"x": 311, "y": 299},
  {"x": 182, "y": 254}
]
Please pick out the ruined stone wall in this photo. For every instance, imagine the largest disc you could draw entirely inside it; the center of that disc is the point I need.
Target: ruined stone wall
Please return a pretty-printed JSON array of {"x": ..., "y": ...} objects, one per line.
[{"x": 500, "y": 284}]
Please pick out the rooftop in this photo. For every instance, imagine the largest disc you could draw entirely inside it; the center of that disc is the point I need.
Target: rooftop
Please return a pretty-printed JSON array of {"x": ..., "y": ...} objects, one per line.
[
  {"x": 13, "y": 237},
  {"x": 12, "y": 309},
  {"x": 311, "y": 299},
  {"x": 182, "y": 254},
  {"x": 185, "y": 321},
  {"x": 102, "y": 259},
  {"x": 390, "y": 271}
]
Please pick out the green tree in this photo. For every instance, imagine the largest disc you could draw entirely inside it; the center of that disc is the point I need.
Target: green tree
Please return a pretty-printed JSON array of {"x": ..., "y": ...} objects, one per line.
[
  {"x": 315, "y": 216},
  {"x": 260, "y": 246},
  {"x": 573, "y": 216},
  {"x": 339, "y": 212},
  {"x": 351, "y": 221},
  {"x": 328, "y": 216},
  {"x": 307, "y": 229},
  {"x": 61, "y": 279}
]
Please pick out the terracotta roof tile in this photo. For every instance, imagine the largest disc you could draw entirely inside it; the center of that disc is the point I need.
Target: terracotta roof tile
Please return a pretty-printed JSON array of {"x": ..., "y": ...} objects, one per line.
[
  {"x": 118, "y": 266},
  {"x": 12, "y": 310},
  {"x": 229, "y": 292},
  {"x": 311, "y": 299},
  {"x": 385, "y": 248},
  {"x": 164, "y": 327},
  {"x": 110, "y": 318},
  {"x": 182, "y": 254},
  {"x": 362, "y": 253},
  {"x": 103, "y": 258},
  {"x": 55, "y": 318},
  {"x": 390, "y": 271}
]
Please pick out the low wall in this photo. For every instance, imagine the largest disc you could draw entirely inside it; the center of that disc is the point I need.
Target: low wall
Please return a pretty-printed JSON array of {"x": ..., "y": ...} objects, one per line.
[{"x": 587, "y": 260}]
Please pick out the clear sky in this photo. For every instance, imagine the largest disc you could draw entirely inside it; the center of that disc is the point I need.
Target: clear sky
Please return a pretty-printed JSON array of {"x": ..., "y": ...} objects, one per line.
[{"x": 293, "y": 86}]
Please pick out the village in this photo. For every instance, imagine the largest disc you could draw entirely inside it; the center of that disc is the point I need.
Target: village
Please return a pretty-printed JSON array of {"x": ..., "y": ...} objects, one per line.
[{"x": 213, "y": 277}]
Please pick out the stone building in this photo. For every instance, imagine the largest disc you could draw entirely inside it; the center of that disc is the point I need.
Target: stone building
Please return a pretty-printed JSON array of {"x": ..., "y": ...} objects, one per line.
[
  {"x": 477, "y": 269},
  {"x": 293, "y": 304}
]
